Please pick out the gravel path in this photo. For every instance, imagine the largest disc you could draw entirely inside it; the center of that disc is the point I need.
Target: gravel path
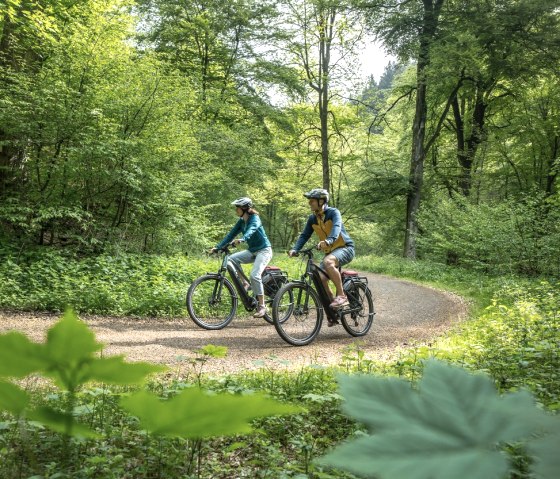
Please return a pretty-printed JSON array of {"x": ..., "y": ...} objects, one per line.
[{"x": 405, "y": 313}]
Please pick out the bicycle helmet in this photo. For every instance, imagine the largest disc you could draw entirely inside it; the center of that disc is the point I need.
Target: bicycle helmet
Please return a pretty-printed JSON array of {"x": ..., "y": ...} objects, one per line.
[
  {"x": 318, "y": 193},
  {"x": 243, "y": 203}
]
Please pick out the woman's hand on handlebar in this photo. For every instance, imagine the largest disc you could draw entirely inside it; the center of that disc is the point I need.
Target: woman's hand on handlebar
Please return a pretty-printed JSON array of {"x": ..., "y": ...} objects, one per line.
[{"x": 235, "y": 242}]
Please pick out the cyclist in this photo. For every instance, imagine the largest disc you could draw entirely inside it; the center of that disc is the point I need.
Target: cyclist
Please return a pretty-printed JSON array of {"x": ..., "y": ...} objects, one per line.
[
  {"x": 259, "y": 249},
  {"x": 334, "y": 242}
]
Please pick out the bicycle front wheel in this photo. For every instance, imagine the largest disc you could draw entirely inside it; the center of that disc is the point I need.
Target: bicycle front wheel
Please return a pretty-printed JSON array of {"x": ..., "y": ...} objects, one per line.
[
  {"x": 359, "y": 318},
  {"x": 297, "y": 314},
  {"x": 211, "y": 302}
]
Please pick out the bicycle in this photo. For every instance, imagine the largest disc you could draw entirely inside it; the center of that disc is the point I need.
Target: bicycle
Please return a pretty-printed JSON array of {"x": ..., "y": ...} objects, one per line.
[
  {"x": 212, "y": 298},
  {"x": 298, "y": 307}
]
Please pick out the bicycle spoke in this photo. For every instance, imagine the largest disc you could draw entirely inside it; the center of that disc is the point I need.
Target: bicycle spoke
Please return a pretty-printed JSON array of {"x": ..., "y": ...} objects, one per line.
[
  {"x": 211, "y": 302},
  {"x": 358, "y": 316},
  {"x": 297, "y": 314}
]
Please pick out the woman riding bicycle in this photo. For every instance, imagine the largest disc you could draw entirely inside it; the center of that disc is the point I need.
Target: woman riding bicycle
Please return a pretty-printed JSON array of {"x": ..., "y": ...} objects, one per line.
[
  {"x": 259, "y": 249},
  {"x": 334, "y": 242}
]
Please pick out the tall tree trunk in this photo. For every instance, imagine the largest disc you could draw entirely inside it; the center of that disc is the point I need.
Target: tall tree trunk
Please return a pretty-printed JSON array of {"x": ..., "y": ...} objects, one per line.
[
  {"x": 467, "y": 147},
  {"x": 552, "y": 172},
  {"x": 327, "y": 19},
  {"x": 429, "y": 27},
  {"x": 7, "y": 152}
]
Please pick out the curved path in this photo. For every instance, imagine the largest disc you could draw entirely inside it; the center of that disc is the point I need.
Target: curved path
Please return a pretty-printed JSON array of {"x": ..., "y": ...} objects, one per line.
[{"x": 405, "y": 313}]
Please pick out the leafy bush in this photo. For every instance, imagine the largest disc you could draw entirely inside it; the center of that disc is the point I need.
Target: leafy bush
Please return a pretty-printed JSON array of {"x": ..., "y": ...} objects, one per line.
[
  {"x": 68, "y": 357},
  {"x": 119, "y": 285},
  {"x": 124, "y": 284},
  {"x": 523, "y": 237}
]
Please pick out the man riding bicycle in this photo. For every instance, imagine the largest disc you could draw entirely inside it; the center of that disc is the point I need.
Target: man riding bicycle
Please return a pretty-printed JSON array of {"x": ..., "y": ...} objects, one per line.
[{"x": 335, "y": 242}]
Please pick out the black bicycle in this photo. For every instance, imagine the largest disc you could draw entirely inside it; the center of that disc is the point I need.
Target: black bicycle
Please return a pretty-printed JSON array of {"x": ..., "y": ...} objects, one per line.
[
  {"x": 212, "y": 299},
  {"x": 297, "y": 309}
]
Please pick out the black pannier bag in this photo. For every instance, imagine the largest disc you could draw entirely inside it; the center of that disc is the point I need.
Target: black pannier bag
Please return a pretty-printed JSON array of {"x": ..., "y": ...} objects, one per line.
[{"x": 273, "y": 278}]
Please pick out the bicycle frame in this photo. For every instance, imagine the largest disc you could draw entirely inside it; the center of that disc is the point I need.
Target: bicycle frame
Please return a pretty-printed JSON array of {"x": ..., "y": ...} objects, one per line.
[
  {"x": 314, "y": 272},
  {"x": 237, "y": 277}
]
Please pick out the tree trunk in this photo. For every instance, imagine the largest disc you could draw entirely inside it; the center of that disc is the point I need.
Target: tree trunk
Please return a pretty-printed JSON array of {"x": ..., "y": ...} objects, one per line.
[
  {"x": 327, "y": 19},
  {"x": 6, "y": 151},
  {"x": 416, "y": 175}
]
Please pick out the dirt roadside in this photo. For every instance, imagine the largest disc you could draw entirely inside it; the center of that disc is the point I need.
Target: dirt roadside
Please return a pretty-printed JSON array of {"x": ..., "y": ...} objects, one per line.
[{"x": 405, "y": 313}]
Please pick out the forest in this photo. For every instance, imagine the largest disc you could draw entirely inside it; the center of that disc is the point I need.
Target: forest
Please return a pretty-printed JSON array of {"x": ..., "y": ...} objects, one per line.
[{"x": 127, "y": 127}]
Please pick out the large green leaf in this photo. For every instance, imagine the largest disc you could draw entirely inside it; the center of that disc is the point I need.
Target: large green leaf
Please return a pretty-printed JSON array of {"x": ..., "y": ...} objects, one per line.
[
  {"x": 546, "y": 451},
  {"x": 12, "y": 398},
  {"x": 114, "y": 370},
  {"x": 450, "y": 425},
  {"x": 194, "y": 413},
  {"x": 19, "y": 356},
  {"x": 547, "y": 460},
  {"x": 70, "y": 340},
  {"x": 408, "y": 456},
  {"x": 61, "y": 422}
]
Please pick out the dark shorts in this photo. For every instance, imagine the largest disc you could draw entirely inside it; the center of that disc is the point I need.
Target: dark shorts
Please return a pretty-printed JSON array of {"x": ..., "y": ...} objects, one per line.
[{"x": 344, "y": 255}]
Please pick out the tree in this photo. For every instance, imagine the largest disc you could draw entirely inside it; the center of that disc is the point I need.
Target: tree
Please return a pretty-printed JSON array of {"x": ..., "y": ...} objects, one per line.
[
  {"x": 495, "y": 45},
  {"x": 410, "y": 29},
  {"x": 323, "y": 35}
]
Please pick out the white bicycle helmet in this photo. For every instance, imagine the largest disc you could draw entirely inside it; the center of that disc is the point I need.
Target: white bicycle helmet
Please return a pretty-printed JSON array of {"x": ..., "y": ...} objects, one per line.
[
  {"x": 318, "y": 193},
  {"x": 243, "y": 202}
]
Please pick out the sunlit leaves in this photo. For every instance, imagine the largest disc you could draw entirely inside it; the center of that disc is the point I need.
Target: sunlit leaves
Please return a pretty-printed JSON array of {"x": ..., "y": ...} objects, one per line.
[
  {"x": 213, "y": 351},
  {"x": 68, "y": 357},
  {"x": 12, "y": 398},
  {"x": 453, "y": 422},
  {"x": 70, "y": 340},
  {"x": 19, "y": 356},
  {"x": 195, "y": 414},
  {"x": 115, "y": 370}
]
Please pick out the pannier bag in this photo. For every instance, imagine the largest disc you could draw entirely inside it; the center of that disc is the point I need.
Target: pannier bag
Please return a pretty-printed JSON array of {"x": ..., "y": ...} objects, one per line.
[{"x": 273, "y": 278}]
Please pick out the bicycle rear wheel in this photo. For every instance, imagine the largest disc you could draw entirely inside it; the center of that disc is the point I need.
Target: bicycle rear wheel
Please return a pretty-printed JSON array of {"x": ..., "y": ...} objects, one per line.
[
  {"x": 211, "y": 302},
  {"x": 358, "y": 320},
  {"x": 297, "y": 314}
]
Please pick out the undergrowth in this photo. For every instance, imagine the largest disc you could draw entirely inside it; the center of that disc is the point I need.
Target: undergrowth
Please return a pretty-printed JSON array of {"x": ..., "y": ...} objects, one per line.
[{"x": 513, "y": 335}]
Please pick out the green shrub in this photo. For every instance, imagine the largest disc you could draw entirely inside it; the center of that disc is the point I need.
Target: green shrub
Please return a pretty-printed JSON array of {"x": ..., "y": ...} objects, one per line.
[{"x": 522, "y": 238}]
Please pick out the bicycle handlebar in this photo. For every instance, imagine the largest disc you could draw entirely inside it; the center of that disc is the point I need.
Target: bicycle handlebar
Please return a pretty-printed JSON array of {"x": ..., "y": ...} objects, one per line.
[
  {"x": 307, "y": 252},
  {"x": 223, "y": 249}
]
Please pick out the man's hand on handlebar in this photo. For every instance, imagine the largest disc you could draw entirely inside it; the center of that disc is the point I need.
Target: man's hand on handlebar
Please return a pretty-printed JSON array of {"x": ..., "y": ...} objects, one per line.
[
  {"x": 321, "y": 245},
  {"x": 212, "y": 251},
  {"x": 292, "y": 253}
]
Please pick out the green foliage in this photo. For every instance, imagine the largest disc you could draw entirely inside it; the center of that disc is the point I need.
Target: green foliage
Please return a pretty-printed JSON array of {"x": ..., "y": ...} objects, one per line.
[
  {"x": 12, "y": 398},
  {"x": 522, "y": 237},
  {"x": 119, "y": 284},
  {"x": 202, "y": 415},
  {"x": 68, "y": 358},
  {"x": 451, "y": 424}
]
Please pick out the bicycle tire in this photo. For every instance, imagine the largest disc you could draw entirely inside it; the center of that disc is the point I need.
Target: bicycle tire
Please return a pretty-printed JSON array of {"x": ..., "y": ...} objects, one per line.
[
  {"x": 290, "y": 312},
  {"x": 358, "y": 321},
  {"x": 207, "y": 311}
]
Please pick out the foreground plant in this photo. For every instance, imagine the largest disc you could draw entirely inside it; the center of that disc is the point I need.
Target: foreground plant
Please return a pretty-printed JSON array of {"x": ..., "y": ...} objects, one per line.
[
  {"x": 453, "y": 422},
  {"x": 69, "y": 358}
]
